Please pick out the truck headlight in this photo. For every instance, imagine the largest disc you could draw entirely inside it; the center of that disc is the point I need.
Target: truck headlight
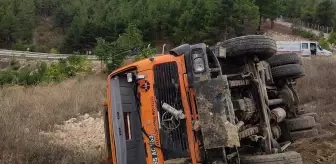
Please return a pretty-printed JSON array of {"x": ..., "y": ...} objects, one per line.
[{"x": 199, "y": 65}]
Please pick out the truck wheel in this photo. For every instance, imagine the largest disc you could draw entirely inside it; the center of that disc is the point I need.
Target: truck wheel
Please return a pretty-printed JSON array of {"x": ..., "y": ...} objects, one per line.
[
  {"x": 250, "y": 45},
  {"x": 303, "y": 122},
  {"x": 312, "y": 114},
  {"x": 304, "y": 134},
  {"x": 283, "y": 59},
  {"x": 290, "y": 157},
  {"x": 287, "y": 71}
]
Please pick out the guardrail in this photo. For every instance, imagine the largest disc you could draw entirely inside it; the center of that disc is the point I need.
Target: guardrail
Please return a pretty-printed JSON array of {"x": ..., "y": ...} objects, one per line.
[{"x": 36, "y": 55}]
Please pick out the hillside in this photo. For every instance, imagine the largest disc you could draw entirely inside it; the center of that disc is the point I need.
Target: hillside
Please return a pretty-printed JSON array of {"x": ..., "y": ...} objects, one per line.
[{"x": 70, "y": 26}]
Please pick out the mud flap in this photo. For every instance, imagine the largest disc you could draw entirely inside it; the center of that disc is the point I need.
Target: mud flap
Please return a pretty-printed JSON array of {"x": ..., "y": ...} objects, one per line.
[{"x": 216, "y": 114}]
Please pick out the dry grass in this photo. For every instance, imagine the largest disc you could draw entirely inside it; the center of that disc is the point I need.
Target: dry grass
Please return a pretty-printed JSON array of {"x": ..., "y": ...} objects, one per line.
[
  {"x": 318, "y": 88},
  {"x": 320, "y": 80},
  {"x": 26, "y": 111},
  {"x": 317, "y": 92}
]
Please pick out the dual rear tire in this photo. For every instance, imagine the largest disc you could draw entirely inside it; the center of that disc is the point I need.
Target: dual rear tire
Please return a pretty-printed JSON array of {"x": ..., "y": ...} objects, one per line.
[
  {"x": 286, "y": 66},
  {"x": 304, "y": 126}
]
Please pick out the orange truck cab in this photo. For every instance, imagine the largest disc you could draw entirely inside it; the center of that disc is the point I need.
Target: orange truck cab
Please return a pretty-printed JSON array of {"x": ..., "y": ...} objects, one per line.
[{"x": 150, "y": 112}]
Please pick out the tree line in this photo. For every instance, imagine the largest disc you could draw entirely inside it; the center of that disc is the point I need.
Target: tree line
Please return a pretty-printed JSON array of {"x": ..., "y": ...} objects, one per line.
[
  {"x": 82, "y": 22},
  {"x": 320, "y": 12}
]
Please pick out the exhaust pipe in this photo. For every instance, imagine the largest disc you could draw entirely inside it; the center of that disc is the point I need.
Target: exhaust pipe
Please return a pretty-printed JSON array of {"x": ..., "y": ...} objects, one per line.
[{"x": 163, "y": 48}]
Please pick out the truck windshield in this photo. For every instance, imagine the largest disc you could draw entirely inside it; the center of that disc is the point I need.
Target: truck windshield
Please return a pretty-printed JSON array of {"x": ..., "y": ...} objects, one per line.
[{"x": 319, "y": 47}]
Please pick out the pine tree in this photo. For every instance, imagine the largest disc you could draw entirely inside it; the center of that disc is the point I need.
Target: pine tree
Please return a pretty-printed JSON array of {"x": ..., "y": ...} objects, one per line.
[{"x": 325, "y": 13}]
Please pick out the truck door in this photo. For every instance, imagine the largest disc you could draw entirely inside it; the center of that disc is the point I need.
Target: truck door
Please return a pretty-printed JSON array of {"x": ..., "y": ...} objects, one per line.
[
  {"x": 128, "y": 138},
  {"x": 313, "y": 48},
  {"x": 305, "y": 49}
]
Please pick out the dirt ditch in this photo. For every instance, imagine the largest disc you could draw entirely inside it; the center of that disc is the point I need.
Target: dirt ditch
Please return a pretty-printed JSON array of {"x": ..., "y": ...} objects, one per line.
[
  {"x": 83, "y": 134},
  {"x": 86, "y": 134}
]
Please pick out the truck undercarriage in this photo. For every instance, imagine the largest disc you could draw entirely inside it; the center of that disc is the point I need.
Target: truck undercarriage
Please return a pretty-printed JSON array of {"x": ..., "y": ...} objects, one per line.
[{"x": 230, "y": 103}]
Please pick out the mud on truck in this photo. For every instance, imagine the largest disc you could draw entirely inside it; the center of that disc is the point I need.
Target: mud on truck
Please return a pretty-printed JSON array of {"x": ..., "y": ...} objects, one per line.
[{"x": 231, "y": 103}]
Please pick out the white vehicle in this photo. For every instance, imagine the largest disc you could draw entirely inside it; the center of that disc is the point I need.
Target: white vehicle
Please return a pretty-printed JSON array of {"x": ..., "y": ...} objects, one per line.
[{"x": 304, "y": 48}]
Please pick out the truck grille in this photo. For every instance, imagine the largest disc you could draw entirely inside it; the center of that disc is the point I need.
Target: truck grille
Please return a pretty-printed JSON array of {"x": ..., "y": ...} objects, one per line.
[{"x": 174, "y": 141}]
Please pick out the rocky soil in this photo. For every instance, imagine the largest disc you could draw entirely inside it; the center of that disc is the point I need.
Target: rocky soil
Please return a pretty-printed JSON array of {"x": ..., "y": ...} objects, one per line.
[
  {"x": 319, "y": 149},
  {"x": 83, "y": 134}
]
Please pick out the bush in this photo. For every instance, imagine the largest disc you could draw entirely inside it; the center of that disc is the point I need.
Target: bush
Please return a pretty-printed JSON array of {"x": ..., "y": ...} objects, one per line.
[
  {"x": 53, "y": 51},
  {"x": 304, "y": 33},
  {"x": 324, "y": 43},
  {"x": 14, "y": 64},
  {"x": 19, "y": 46},
  {"x": 42, "y": 68},
  {"x": 145, "y": 53},
  {"x": 32, "y": 48},
  {"x": 332, "y": 38},
  {"x": 72, "y": 66},
  {"x": 76, "y": 53},
  {"x": 25, "y": 77},
  {"x": 56, "y": 72},
  {"x": 110, "y": 53},
  {"x": 79, "y": 64},
  {"x": 8, "y": 77},
  {"x": 33, "y": 77}
]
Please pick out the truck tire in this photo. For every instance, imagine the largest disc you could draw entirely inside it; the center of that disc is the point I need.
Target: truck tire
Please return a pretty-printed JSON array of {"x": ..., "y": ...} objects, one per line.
[
  {"x": 250, "y": 45},
  {"x": 304, "y": 134},
  {"x": 303, "y": 122},
  {"x": 287, "y": 71},
  {"x": 290, "y": 157},
  {"x": 283, "y": 59},
  {"x": 313, "y": 115}
]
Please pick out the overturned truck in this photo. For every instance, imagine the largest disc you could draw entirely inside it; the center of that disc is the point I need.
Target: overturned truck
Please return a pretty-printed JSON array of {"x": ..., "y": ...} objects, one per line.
[{"x": 234, "y": 102}]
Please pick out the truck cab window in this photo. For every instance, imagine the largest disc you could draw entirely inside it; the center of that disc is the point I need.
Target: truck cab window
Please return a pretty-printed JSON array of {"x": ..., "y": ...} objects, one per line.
[
  {"x": 304, "y": 45},
  {"x": 313, "y": 46}
]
